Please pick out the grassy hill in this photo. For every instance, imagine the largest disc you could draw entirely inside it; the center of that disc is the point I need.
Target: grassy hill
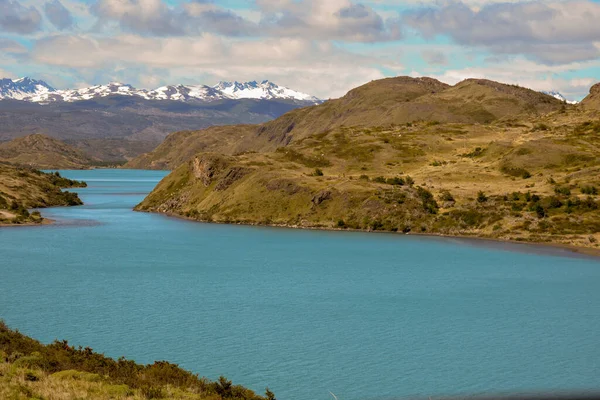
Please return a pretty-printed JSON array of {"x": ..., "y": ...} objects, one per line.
[
  {"x": 25, "y": 188},
  {"x": 32, "y": 370},
  {"x": 592, "y": 101},
  {"x": 41, "y": 151},
  {"x": 386, "y": 102},
  {"x": 530, "y": 174}
]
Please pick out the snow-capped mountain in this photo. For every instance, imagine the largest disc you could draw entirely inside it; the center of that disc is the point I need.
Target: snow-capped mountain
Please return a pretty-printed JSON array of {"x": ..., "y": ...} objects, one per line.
[
  {"x": 31, "y": 90},
  {"x": 560, "y": 97},
  {"x": 23, "y": 88},
  {"x": 263, "y": 90}
]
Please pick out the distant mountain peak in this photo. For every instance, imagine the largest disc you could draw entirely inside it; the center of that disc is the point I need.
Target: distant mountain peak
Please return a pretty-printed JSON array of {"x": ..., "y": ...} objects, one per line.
[
  {"x": 23, "y": 88},
  {"x": 31, "y": 90},
  {"x": 559, "y": 96}
]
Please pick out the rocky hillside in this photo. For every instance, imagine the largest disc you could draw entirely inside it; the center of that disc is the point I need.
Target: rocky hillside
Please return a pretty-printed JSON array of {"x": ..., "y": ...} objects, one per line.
[
  {"x": 531, "y": 173},
  {"x": 391, "y": 101},
  {"x": 25, "y": 188},
  {"x": 43, "y": 152}
]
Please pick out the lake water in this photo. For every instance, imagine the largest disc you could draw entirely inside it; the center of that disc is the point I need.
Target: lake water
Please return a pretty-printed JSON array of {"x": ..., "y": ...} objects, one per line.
[{"x": 364, "y": 316}]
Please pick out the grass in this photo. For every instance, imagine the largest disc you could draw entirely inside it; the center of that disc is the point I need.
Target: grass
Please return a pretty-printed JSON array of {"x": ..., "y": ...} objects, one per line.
[
  {"x": 383, "y": 175},
  {"x": 25, "y": 188},
  {"x": 30, "y": 369}
]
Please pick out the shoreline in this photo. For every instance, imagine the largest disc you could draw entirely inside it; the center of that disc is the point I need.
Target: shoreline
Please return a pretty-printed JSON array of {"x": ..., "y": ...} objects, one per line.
[{"x": 568, "y": 249}]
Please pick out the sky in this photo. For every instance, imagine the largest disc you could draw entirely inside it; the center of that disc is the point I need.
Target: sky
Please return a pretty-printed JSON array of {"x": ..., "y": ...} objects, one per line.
[{"x": 320, "y": 47}]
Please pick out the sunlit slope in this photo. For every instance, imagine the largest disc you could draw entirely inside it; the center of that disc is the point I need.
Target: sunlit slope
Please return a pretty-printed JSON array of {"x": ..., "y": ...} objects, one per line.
[
  {"x": 25, "y": 188},
  {"x": 533, "y": 180},
  {"x": 385, "y": 102},
  {"x": 41, "y": 151}
]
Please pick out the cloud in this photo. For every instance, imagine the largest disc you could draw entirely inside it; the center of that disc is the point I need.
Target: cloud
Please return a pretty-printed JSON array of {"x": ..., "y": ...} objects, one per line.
[
  {"x": 58, "y": 14},
  {"x": 551, "y": 32},
  {"x": 434, "y": 57},
  {"x": 154, "y": 17},
  {"x": 320, "y": 68},
  {"x": 341, "y": 20},
  {"x": 12, "y": 46},
  {"x": 17, "y": 18}
]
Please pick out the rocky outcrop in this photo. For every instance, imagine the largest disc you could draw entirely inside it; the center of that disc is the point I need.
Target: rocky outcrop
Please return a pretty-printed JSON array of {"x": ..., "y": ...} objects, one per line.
[
  {"x": 321, "y": 197},
  {"x": 206, "y": 166},
  {"x": 233, "y": 175}
]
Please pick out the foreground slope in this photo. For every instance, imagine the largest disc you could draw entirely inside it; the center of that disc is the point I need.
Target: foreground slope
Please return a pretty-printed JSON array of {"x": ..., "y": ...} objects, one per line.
[
  {"x": 391, "y": 101},
  {"x": 41, "y": 151},
  {"x": 25, "y": 188},
  {"x": 528, "y": 176},
  {"x": 32, "y": 370}
]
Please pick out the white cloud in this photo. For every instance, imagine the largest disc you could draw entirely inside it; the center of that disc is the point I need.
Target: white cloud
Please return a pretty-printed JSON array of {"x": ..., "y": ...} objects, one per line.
[
  {"x": 321, "y": 68},
  {"x": 553, "y": 32}
]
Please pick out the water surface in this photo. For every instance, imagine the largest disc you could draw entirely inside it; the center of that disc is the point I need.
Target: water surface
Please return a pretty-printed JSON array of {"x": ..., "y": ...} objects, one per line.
[{"x": 365, "y": 316}]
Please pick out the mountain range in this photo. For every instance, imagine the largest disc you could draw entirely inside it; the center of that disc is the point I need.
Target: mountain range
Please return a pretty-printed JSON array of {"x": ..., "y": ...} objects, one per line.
[{"x": 37, "y": 91}]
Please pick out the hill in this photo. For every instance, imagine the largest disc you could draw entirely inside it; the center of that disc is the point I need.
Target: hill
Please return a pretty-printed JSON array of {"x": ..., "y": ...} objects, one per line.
[
  {"x": 25, "y": 188},
  {"x": 531, "y": 174},
  {"x": 592, "y": 101},
  {"x": 385, "y": 102},
  {"x": 30, "y": 369},
  {"x": 44, "y": 152}
]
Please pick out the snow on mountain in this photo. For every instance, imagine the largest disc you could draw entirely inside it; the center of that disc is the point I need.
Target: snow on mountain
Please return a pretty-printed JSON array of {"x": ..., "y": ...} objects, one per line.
[
  {"x": 23, "y": 88},
  {"x": 560, "y": 97},
  {"x": 263, "y": 90},
  {"x": 27, "y": 89}
]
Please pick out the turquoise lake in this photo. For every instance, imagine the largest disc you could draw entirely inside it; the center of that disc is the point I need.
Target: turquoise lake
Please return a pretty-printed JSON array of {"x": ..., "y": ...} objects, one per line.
[{"x": 364, "y": 316}]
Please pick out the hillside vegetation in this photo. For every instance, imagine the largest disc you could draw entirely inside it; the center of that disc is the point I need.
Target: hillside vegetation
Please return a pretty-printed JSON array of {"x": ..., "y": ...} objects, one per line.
[
  {"x": 44, "y": 152},
  {"x": 386, "y": 102},
  {"x": 529, "y": 172},
  {"x": 59, "y": 371},
  {"x": 25, "y": 188}
]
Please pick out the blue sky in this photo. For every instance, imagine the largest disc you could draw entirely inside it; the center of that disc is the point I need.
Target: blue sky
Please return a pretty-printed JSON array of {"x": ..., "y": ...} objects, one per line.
[{"x": 320, "y": 47}]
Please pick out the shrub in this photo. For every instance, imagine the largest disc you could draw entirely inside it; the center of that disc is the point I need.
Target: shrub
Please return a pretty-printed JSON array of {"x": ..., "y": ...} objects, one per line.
[
  {"x": 445, "y": 195},
  {"x": 152, "y": 392},
  {"x": 540, "y": 211},
  {"x": 515, "y": 171},
  {"x": 364, "y": 177},
  {"x": 395, "y": 181},
  {"x": 318, "y": 172},
  {"x": 589, "y": 190},
  {"x": 427, "y": 200},
  {"x": 379, "y": 179},
  {"x": 409, "y": 181},
  {"x": 563, "y": 190},
  {"x": 481, "y": 197}
]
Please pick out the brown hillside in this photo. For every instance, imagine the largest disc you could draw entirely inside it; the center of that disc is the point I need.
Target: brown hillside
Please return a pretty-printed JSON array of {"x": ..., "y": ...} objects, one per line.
[
  {"x": 386, "y": 102},
  {"x": 592, "y": 101},
  {"x": 43, "y": 152}
]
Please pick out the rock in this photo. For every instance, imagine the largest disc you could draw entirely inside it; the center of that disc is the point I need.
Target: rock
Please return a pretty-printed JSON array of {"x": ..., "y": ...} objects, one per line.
[
  {"x": 206, "y": 167},
  {"x": 232, "y": 175},
  {"x": 321, "y": 197}
]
